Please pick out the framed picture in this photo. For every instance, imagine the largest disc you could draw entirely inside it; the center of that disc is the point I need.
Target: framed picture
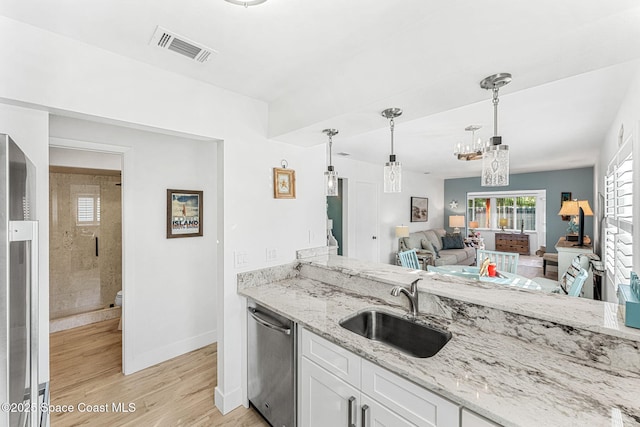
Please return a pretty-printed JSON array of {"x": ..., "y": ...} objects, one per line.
[
  {"x": 284, "y": 183},
  {"x": 564, "y": 196},
  {"x": 184, "y": 213},
  {"x": 419, "y": 209}
]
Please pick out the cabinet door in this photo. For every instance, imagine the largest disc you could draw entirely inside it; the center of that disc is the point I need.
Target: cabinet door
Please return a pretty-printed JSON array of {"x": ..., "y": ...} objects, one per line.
[
  {"x": 374, "y": 414},
  {"x": 326, "y": 400}
]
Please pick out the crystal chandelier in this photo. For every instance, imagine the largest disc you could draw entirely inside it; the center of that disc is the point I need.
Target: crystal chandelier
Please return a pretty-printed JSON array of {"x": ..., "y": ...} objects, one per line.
[
  {"x": 392, "y": 169},
  {"x": 495, "y": 160},
  {"x": 471, "y": 151},
  {"x": 330, "y": 176}
]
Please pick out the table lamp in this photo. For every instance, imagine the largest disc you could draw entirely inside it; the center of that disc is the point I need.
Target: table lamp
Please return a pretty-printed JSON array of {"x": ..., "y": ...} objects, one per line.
[
  {"x": 472, "y": 227},
  {"x": 401, "y": 231},
  {"x": 503, "y": 223},
  {"x": 456, "y": 221},
  {"x": 578, "y": 208}
]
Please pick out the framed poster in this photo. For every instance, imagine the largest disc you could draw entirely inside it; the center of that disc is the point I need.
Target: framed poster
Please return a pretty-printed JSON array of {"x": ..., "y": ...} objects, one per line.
[
  {"x": 564, "y": 196},
  {"x": 284, "y": 183},
  {"x": 419, "y": 209},
  {"x": 184, "y": 213}
]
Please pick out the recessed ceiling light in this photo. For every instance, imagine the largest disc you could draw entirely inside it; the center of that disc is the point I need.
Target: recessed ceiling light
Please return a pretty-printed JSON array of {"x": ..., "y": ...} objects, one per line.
[
  {"x": 343, "y": 154},
  {"x": 246, "y": 3}
]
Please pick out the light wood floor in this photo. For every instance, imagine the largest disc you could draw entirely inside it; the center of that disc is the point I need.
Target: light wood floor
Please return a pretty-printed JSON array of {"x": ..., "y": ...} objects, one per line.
[
  {"x": 86, "y": 368},
  {"x": 531, "y": 266}
]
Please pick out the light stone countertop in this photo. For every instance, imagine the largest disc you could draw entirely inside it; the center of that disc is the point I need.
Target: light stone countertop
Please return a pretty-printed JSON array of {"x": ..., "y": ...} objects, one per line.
[
  {"x": 514, "y": 379},
  {"x": 595, "y": 316}
]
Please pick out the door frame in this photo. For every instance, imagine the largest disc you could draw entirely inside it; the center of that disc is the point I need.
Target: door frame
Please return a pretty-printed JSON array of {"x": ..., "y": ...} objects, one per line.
[{"x": 127, "y": 234}]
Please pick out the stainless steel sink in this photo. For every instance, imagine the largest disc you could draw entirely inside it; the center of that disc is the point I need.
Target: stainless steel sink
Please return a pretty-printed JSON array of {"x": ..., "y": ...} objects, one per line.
[{"x": 402, "y": 334}]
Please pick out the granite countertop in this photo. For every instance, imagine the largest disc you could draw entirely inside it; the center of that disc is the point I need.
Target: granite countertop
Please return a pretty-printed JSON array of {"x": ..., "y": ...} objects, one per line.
[{"x": 509, "y": 379}]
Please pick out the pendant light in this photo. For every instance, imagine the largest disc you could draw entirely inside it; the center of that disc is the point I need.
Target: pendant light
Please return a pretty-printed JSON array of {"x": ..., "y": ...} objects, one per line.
[
  {"x": 330, "y": 176},
  {"x": 392, "y": 169},
  {"x": 495, "y": 160}
]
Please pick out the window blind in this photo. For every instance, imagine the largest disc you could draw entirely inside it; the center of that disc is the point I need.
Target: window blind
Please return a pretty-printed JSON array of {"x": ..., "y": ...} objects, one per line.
[{"x": 618, "y": 211}]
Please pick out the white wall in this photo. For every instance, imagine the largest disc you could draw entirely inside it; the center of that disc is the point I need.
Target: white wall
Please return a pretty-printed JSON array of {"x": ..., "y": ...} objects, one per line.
[
  {"x": 168, "y": 287},
  {"x": 58, "y": 74},
  {"x": 84, "y": 159},
  {"x": 394, "y": 207},
  {"x": 30, "y": 130},
  {"x": 629, "y": 116}
]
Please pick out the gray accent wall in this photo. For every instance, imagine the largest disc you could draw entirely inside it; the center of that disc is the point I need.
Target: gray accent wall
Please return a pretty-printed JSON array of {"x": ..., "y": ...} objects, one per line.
[{"x": 577, "y": 181}]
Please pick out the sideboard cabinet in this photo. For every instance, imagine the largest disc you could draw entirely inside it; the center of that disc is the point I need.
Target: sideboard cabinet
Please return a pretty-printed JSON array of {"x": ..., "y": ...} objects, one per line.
[{"x": 513, "y": 242}]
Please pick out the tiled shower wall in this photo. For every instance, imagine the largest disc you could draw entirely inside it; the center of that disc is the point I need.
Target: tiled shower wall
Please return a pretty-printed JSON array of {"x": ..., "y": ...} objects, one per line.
[{"x": 84, "y": 206}]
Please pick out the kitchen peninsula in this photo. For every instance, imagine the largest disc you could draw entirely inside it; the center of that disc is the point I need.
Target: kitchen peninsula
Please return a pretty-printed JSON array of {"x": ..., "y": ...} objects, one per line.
[{"x": 517, "y": 357}]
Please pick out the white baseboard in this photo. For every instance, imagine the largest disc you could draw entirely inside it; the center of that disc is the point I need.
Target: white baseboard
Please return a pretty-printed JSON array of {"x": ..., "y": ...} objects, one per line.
[
  {"x": 228, "y": 402},
  {"x": 153, "y": 357}
]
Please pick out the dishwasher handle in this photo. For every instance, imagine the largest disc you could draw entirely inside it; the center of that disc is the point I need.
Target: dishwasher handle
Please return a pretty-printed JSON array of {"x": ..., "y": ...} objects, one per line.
[{"x": 264, "y": 322}]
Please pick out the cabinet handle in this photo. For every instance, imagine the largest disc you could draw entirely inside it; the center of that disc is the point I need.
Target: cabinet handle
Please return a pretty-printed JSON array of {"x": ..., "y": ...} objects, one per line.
[
  {"x": 352, "y": 412},
  {"x": 364, "y": 410}
]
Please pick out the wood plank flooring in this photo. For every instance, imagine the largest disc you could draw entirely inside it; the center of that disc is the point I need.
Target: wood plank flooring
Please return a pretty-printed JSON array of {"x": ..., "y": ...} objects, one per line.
[{"x": 86, "y": 369}]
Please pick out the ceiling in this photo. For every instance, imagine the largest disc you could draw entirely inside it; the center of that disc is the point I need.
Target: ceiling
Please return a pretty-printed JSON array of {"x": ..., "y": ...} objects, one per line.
[{"x": 337, "y": 63}]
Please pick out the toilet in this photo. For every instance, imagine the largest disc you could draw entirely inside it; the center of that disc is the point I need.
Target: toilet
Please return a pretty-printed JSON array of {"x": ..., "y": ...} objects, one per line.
[{"x": 118, "y": 303}]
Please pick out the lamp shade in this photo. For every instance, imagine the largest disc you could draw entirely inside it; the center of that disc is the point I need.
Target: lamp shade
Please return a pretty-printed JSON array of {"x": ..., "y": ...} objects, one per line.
[
  {"x": 504, "y": 222},
  {"x": 572, "y": 207},
  {"x": 473, "y": 224},
  {"x": 456, "y": 221},
  {"x": 402, "y": 231}
]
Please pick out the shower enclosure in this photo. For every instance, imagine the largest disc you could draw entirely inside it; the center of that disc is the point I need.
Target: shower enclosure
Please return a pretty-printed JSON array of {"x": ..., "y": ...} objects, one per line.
[{"x": 85, "y": 243}]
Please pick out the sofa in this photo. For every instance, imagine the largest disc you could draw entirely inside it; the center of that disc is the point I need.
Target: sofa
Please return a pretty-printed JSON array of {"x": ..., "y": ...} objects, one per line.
[{"x": 431, "y": 242}]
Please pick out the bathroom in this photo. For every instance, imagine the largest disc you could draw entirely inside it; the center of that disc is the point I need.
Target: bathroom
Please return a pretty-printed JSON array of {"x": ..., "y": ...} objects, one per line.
[{"x": 85, "y": 219}]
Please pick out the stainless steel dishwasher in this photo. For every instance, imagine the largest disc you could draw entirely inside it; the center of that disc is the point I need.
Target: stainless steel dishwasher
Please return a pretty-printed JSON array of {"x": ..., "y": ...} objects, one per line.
[{"x": 271, "y": 347}]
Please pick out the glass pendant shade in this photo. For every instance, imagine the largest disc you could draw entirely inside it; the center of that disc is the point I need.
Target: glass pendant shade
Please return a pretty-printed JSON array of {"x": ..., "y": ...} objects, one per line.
[
  {"x": 392, "y": 177},
  {"x": 331, "y": 182},
  {"x": 495, "y": 166}
]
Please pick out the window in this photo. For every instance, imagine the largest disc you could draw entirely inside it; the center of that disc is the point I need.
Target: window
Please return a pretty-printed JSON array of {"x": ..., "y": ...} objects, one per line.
[
  {"x": 88, "y": 212},
  {"x": 518, "y": 208},
  {"x": 618, "y": 242}
]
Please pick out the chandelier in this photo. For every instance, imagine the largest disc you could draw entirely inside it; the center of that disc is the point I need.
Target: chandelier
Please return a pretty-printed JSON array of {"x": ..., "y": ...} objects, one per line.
[
  {"x": 472, "y": 151},
  {"x": 495, "y": 159}
]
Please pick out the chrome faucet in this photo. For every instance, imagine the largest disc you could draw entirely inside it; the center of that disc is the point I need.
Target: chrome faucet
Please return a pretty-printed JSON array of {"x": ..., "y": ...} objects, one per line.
[{"x": 412, "y": 294}]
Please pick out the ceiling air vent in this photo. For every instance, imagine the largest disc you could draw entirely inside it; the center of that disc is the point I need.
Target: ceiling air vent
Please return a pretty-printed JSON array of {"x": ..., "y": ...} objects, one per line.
[{"x": 165, "y": 39}]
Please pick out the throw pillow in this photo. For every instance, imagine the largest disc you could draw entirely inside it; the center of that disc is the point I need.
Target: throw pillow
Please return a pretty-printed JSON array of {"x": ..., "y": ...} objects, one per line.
[
  {"x": 570, "y": 275},
  {"x": 426, "y": 245},
  {"x": 452, "y": 241}
]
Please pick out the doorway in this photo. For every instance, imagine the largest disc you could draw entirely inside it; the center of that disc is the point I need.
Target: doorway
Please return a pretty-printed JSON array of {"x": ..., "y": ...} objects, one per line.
[
  {"x": 366, "y": 222},
  {"x": 85, "y": 241},
  {"x": 335, "y": 214}
]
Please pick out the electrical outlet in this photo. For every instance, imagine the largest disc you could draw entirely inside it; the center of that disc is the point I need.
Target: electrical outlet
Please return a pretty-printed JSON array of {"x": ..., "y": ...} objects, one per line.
[
  {"x": 271, "y": 254},
  {"x": 240, "y": 259}
]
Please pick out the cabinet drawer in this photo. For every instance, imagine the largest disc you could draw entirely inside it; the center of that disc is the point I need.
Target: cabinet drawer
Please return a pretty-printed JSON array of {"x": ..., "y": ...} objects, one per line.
[
  {"x": 335, "y": 359},
  {"x": 411, "y": 401},
  {"x": 471, "y": 419}
]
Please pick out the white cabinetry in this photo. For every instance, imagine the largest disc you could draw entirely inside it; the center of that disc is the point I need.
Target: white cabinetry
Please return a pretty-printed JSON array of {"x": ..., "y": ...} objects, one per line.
[
  {"x": 326, "y": 400},
  {"x": 338, "y": 388}
]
